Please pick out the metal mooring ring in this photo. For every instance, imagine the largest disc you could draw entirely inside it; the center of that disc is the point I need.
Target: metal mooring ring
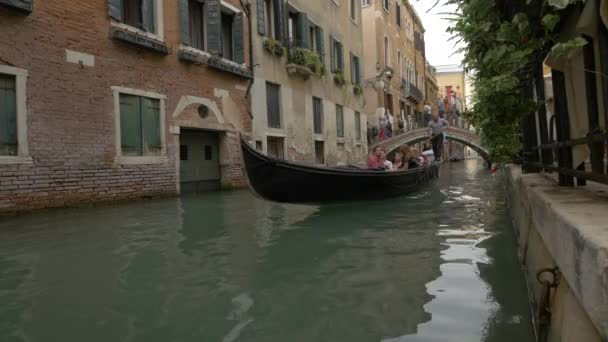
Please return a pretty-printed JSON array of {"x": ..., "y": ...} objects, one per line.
[{"x": 555, "y": 274}]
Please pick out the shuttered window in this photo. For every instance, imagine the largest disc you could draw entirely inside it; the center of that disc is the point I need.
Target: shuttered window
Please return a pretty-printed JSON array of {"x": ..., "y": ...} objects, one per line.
[
  {"x": 336, "y": 55},
  {"x": 196, "y": 11},
  {"x": 358, "y": 126},
  {"x": 353, "y": 9},
  {"x": 140, "y": 14},
  {"x": 339, "y": 121},
  {"x": 8, "y": 115},
  {"x": 273, "y": 105},
  {"x": 398, "y": 14},
  {"x": 206, "y": 26},
  {"x": 355, "y": 73},
  {"x": 139, "y": 126},
  {"x": 317, "y": 117},
  {"x": 320, "y": 43}
]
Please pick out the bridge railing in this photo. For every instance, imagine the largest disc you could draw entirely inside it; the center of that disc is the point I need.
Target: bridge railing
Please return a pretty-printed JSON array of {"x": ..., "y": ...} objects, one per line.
[{"x": 376, "y": 134}]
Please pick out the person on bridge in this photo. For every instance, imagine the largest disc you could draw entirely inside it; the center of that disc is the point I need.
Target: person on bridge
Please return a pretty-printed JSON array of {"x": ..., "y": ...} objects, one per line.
[{"x": 436, "y": 128}]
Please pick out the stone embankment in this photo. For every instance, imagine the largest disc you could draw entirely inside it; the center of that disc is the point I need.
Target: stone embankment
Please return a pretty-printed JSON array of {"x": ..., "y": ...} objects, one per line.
[{"x": 563, "y": 231}]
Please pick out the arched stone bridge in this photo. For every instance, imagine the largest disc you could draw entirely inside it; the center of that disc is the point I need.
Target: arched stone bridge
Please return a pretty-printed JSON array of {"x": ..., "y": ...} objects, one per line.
[{"x": 460, "y": 135}]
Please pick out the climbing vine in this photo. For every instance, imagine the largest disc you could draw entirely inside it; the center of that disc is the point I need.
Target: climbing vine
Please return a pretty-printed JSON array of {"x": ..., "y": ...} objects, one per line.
[{"x": 504, "y": 41}]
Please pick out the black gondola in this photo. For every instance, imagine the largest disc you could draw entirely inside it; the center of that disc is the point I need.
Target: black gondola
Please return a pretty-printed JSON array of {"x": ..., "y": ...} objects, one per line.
[{"x": 281, "y": 181}]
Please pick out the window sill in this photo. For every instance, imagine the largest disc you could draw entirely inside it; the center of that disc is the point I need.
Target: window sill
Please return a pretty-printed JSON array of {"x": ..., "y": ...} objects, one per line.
[
  {"x": 134, "y": 37},
  {"x": 353, "y": 21},
  {"x": 145, "y": 160},
  {"x": 336, "y": 3},
  {"x": 341, "y": 140},
  {"x": 319, "y": 137},
  {"x": 191, "y": 55},
  {"x": 16, "y": 160},
  {"x": 19, "y": 5}
]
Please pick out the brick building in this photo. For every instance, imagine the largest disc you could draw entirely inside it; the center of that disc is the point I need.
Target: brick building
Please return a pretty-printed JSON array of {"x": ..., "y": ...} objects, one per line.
[{"x": 102, "y": 100}]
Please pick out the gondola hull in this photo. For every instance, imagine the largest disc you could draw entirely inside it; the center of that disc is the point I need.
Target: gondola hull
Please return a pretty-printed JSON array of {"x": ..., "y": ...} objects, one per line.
[{"x": 281, "y": 181}]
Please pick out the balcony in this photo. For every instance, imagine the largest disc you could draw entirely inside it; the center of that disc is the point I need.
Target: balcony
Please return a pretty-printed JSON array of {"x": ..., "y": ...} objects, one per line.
[{"x": 410, "y": 91}]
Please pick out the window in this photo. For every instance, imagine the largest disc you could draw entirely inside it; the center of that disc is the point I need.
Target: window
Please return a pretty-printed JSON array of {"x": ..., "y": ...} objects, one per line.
[
  {"x": 319, "y": 152},
  {"x": 208, "y": 152},
  {"x": 355, "y": 72},
  {"x": 398, "y": 14},
  {"x": 275, "y": 147},
  {"x": 339, "y": 121},
  {"x": 140, "y": 133},
  {"x": 227, "y": 36},
  {"x": 273, "y": 105},
  {"x": 196, "y": 11},
  {"x": 337, "y": 55},
  {"x": 209, "y": 26},
  {"x": 13, "y": 116},
  {"x": 292, "y": 28},
  {"x": 8, "y": 115},
  {"x": 358, "y": 126},
  {"x": 399, "y": 64},
  {"x": 365, "y": 2},
  {"x": 385, "y": 4},
  {"x": 317, "y": 117},
  {"x": 268, "y": 12},
  {"x": 386, "y": 52},
  {"x": 140, "y": 14},
  {"x": 183, "y": 152},
  {"x": 353, "y": 9}
]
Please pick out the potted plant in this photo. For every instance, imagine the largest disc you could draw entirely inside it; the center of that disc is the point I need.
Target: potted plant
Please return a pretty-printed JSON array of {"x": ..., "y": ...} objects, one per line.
[
  {"x": 339, "y": 78},
  {"x": 357, "y": 89},
  {"x": 274, "y": 47}
]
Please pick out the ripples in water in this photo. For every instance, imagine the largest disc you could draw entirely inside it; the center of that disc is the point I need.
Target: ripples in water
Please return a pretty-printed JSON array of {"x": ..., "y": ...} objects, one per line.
[{"x": 438, "y": 265}]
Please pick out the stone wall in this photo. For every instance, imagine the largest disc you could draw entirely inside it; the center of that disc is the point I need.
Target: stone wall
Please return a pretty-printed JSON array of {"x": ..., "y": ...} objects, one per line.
[
  {"x": 71, "y": 108},
  {"x": 565, "y": 228}
]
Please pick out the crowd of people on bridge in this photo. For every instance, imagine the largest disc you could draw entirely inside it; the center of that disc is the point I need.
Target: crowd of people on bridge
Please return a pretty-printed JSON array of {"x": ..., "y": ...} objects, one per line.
[{"x": 407, "y": 157}]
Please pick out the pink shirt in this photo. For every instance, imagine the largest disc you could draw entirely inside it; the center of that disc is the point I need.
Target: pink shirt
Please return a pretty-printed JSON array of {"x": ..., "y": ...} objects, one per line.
[{"x": 373, "y": 162}]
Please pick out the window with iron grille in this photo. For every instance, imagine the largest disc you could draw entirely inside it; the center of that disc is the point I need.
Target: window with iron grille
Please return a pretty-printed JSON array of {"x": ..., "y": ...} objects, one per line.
[
  {"x": 8, "y": 115},
  {"x": 139, "y": 126}
]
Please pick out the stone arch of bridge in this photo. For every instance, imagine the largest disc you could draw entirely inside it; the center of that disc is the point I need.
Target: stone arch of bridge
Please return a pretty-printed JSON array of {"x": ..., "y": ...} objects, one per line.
[{"x": 462, "y": 136}]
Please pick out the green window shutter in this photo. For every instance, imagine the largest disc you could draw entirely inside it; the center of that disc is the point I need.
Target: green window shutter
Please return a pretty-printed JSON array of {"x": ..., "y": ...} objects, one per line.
[
  {"x": 320, "y": 43},
  {"x": 279, "y": 20},
  {"x": 332, "y": 53},
  {"x": 115, "y": 9},
  {"x": 184, "y": 22},
  {"x": 214, "y": 27},
  {"x": 261, "y": 13},
  {"x": 340, "y": 53},
  {"x": 358, "y": 125},
  {"x": 339, "y": 121},
  {"x": 130, "y": 125},
  {"x": 302, "y": 34},
  {"x": 239, "y": 39},
  {"x": 8, "y": 115},
  {"x": 352, "y": 68},
  {"x": 150, "y": 123},
  {"x": 148, "y": 16}
]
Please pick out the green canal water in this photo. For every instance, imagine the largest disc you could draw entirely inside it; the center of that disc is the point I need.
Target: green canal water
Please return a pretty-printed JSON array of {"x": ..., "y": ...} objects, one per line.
[{"x": 438, "y": 265}]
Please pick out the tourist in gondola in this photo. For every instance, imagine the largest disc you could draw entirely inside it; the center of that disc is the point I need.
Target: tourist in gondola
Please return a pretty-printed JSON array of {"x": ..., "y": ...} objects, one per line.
[
  {"x": 387, "y": 164},
  {"x": 374, "y": 160},
  {"x": 398, "y": 161}
]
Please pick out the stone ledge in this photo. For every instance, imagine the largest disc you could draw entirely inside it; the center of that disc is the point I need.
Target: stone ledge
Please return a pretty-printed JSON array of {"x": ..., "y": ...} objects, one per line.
[{"x": 573, "y": 224}]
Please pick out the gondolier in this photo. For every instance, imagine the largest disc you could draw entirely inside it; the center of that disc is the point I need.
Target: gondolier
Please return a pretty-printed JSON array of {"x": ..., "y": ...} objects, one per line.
[{"x": 436, "y": 128}]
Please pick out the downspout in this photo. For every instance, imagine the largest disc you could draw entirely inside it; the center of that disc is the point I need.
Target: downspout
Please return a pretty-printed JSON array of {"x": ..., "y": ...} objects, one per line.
[{"x": 247, "y": 9}]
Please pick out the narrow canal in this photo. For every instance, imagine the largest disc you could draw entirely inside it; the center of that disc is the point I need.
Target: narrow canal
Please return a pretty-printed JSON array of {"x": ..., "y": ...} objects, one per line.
[{"x": 439, "y": 265}]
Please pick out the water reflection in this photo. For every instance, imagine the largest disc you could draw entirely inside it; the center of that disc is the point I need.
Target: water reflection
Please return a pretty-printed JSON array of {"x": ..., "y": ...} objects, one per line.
[{"x": 229, "y": 267}]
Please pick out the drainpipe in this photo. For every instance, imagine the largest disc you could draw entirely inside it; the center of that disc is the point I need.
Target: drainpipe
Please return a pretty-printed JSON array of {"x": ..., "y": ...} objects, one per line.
[{"x": 247, "y": 9}]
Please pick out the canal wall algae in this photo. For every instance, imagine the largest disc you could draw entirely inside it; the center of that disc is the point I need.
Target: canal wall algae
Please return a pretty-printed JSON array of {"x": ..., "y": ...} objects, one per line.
[{"x": 565, "y": 228}]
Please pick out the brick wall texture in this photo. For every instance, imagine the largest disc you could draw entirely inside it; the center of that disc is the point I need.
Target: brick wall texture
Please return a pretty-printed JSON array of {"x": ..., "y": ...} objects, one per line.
[{"x": 71, "y": 130}]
